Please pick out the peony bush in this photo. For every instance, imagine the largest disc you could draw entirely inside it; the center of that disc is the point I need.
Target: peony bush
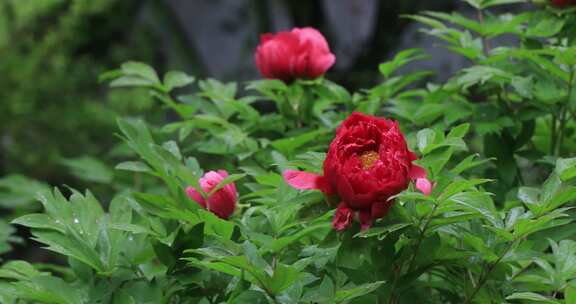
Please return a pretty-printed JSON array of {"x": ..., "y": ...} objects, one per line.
[{"x": 411, "y": 191}]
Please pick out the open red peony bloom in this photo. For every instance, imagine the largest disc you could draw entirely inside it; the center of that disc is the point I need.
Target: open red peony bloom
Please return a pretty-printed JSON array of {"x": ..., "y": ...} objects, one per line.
[
  {"x": 368, "y": 162},
  {"x": 563, "y": 3},
  {"x": 222, "y": 202},
  {"x": 301, "y": 53}
]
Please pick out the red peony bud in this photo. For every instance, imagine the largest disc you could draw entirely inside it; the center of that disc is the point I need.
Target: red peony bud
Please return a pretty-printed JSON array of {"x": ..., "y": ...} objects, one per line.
[
  {"x": 222, "y": 202},
  {"x": 301, "y": 53}
]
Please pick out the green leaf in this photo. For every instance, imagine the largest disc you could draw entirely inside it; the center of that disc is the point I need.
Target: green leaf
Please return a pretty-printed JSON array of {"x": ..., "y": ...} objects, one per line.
[
  {"x": 567, "y": 194},
  {"x": 134, "y": 166},
  {"x": 70, "y": 247},
  {"x": 172, "y": 147},
  {"x": 458, "y": 19},
  {"x": 468, "y": 163},
  {"x": 278, "y": 244},
  {"x": 250, "y": 297},
  {"x": 122, "y": 297},
  {"x": 543, "y": 62},
  {"x": 288, "y": 146},
  {"x": 358, "y": 291},
  {"x": 543, "y": 24},
  {"x": 447, "y": 219},
  {"x": 477, "y": 4},
  {"x": 48, "y": 289},
  {"x": 18, "y": 270},
  {"x": 531, "y": 198},
  {"x": 437, "y": 160},
  {"x": 324, "y": 293},
  {"x": 40, "y": 221},
  {"x": 215, "y": 225},
  {"x": 527, "y": 226},
  {"x": 523, "y": 85},
  {"x": 481, "y": 203},
  {"x": 283, "y": 277},
  {"x": 142, "y": 70},
  {"x": 570, "y": 294},
  {"x": 87, "y": 215},
  {"x": 267, "y": 86},
  {"x": 479, "y": 245},
  {"x": 459, "y": 131},
  {"x": 381, "y": 232},
  {"x": 133, "y": 228},
  {"x": 402, "y": 58},
  {"x": 56, "y": 206},
  {"x": 565, "y": 257},
  {"x": 490, "y": 3},
  {"x": 460, "y": 186},
  {"x": 482, "y": 74},
  {"x": 18, "y": 191},
  {"x": 131, "y": 81},
  {"x": 425, "y": 138},
  {"x": 531, "y": 296},
  {"x": 176, "y": 79},
  {"x": 566, "y": 168}
]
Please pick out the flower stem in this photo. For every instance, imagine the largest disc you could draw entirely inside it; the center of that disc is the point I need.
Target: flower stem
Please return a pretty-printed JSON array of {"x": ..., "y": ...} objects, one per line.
[
  {"x": 564, "y": 115},
  {"x": 553, "y": 134},
  {"x": 486, "y": 273},
  {"x": 421, "y": 237},
  {"x": 485, "y": 42}
]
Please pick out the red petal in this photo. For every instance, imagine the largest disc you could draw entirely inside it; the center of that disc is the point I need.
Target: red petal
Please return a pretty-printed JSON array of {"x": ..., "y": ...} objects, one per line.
[
  {"x": 302, "y": 180},
  {"x": 365, "y": 219},
  {"x": 417, "y": 172},
  {"x": 196, "y": 196},
  {"x": 342, "y": 218},
  {"x": 380, "y": 209}
]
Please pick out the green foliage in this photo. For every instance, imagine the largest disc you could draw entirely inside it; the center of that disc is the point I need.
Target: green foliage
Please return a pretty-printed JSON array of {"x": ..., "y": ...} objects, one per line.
[
  {"x": 51, "y": 105},
  {"x": 495, "y": 140}
]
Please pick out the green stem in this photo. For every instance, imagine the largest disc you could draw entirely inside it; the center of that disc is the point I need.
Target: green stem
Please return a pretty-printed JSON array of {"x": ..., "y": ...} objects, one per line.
[
  {"x": 553, "y": 134},
  {"x": 561, "y": 131},
  {"x": 165, "y": 97},
  {"x": 421, "y": 237},
  {"x": 486, "y": 273},
  {"x": 268, "y": 292},
  {"x": 520, "y": 271},
  {"x": 485, "y": 42},
  {"x": 564, "y": 115},
  {"x": 397, "y": 272}
]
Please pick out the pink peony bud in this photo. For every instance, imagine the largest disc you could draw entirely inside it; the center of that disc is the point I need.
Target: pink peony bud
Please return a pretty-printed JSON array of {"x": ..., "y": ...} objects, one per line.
[{"x": 222, "y": 202}]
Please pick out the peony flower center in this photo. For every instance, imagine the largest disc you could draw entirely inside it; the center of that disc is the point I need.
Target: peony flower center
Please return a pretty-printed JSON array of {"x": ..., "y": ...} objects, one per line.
[{"x": 368, "y": 159}]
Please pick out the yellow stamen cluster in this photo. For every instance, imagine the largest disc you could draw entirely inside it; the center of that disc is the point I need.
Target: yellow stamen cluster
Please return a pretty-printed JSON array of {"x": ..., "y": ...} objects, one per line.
[{"x": 368, "y": 159}]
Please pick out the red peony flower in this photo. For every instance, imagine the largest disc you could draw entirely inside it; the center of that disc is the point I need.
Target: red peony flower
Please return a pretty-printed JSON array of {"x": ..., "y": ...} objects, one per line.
[
  {"x": 222, "y": 202},
  {"x": 301, "y": 53},
  {"x": 368, "y": 162},
  {"x": 563, "y": 3}
]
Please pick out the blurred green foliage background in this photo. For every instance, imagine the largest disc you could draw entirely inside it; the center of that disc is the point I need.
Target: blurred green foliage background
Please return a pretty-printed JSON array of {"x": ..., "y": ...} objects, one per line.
[{"x": 52, "y": 105}]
